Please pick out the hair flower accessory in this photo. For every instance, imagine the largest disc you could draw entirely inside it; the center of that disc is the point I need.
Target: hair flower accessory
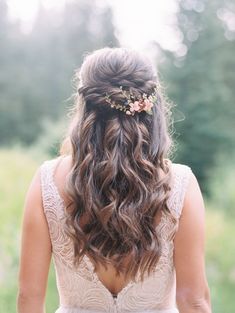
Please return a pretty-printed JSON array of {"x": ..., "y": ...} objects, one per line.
[{"x": 133, "y": 105}]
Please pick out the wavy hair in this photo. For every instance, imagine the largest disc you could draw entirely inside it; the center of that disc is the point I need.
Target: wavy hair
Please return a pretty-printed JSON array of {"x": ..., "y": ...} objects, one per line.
[{"x": 120, "y": 177}]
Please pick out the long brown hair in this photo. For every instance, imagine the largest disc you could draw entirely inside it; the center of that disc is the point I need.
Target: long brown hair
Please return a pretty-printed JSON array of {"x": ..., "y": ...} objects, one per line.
[{"x": 117, "y": 162}]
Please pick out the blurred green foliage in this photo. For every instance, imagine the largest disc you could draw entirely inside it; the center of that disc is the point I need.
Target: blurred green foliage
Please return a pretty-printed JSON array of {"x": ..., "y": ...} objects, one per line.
[
  {"x": 17, "y": 170},
  {"x": 201, "y": 83},
  {"x": 37, "y": 68},
  {"x": 220, "y": 257},
  {"x": 222, "y": 192}
]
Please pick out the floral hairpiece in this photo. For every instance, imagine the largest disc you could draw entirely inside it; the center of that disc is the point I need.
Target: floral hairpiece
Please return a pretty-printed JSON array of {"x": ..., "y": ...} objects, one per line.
[{"x": 133, "y": 105}]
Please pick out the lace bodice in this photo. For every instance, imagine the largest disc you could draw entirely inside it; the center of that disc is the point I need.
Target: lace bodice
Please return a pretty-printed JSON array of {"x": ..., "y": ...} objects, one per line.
[{"x": 80, "y": 289}]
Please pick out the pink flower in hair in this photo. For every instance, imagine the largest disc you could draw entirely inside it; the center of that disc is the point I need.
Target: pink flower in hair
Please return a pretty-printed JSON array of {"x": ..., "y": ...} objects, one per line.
[
  {"x": 148, "y": 105},
  {"x": 135, "y": 106},
  {"x": 144, "y": 102}
]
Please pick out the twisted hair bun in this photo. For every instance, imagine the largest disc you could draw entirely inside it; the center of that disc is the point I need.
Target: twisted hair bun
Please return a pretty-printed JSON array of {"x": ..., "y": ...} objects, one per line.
[{"x": 101, "y": 75}]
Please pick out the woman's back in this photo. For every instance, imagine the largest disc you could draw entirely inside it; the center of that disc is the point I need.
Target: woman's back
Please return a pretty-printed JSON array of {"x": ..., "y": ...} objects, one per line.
[
  {"x": 114, "y": 230},
  {"x": 82, "y": 289}
]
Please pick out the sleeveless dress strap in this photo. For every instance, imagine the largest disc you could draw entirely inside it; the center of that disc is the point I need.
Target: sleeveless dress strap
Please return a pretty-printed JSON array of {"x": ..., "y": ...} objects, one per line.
[
  {"x": 52, "y": 202},
  {"x": 53, "y": 205},
  {"x": 180, "y": 179}
]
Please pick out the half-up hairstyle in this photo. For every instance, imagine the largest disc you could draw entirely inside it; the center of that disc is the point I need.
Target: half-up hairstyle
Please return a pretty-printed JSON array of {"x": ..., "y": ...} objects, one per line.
[{"x": 120, "y": 176}]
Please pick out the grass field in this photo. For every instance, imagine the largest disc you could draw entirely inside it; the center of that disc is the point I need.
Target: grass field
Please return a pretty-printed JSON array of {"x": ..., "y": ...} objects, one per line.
[{"x": 17, "y": 169}]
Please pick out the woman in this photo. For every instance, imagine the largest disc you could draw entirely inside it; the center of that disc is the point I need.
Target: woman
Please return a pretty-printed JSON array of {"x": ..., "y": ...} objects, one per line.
[{"x": 124, "y": 224}]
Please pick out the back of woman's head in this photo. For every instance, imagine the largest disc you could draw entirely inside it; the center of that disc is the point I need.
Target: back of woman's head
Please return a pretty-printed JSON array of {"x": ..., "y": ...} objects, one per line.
[{"x": 120, "y": 175}]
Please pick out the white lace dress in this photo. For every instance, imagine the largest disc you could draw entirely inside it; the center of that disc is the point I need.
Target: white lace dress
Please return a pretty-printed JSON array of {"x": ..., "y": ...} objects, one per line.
[{"x": 80, "y": 290}]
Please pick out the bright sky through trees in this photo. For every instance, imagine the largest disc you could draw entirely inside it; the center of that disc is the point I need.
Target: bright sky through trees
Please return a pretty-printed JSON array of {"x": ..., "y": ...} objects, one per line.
[{"x": 137, "y": 22}]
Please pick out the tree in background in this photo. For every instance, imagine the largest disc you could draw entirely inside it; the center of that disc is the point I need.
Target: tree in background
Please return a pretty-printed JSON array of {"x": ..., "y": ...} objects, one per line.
[
  {"x": 37, "y": 68},
  {"x": 36, "y": 72},
  {"x": 201, "y": 83}
]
